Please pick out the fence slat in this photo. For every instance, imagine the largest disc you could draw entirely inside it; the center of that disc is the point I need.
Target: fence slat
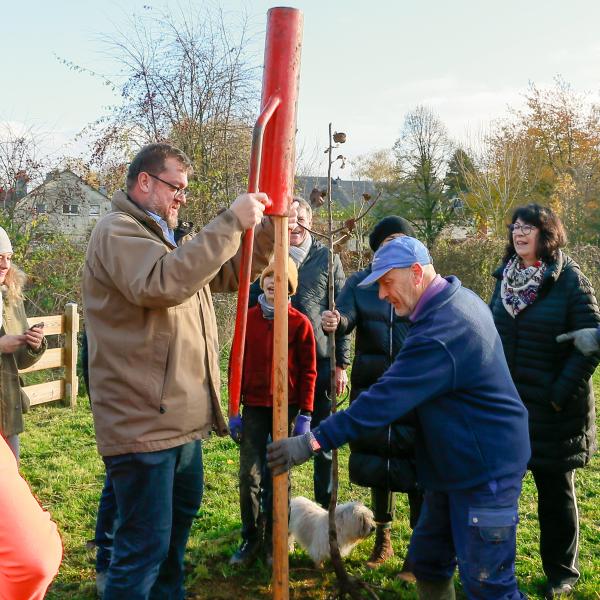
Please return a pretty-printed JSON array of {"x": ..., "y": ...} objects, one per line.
[
  {"x": 53, "y": 324},
  {"x": 50, "y": 359},
  {"x": 45, "y": 392},
  {"x": 71, "y": 330}
]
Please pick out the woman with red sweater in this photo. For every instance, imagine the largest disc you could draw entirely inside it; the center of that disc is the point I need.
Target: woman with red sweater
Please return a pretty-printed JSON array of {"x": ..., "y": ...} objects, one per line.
[{"x": 253, "y": 429}]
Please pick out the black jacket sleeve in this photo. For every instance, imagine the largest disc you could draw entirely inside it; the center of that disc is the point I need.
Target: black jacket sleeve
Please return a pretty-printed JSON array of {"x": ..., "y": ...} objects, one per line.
[{"x": 342, "y": 340}]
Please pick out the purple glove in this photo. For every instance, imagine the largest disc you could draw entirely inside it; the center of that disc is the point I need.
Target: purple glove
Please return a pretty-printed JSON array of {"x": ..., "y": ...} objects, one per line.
[
  {"x": 236, "y": 427},
  {"x": 302, "y": 425}
]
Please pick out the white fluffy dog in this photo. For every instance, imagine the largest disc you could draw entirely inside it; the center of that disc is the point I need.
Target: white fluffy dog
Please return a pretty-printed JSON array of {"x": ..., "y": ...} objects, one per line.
[{"x": 309, "y": 526}]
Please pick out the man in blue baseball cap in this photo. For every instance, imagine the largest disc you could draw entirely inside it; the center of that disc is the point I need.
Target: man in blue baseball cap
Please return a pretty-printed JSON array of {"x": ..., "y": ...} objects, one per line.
[{"x": 472, "y": 443}]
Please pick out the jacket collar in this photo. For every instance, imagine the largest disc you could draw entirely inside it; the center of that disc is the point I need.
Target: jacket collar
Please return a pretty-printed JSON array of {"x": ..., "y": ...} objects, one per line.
[
  {"x": 554, "y": 269},
  {"x": 316, "y": 245},
  {"x": 122, "y": 202},
  {"x": 440, "y": 299}
]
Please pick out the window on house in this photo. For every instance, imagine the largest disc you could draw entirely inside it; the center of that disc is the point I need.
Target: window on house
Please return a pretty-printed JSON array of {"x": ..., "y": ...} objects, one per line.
[
  {"x": 70, "y": 209},
  {"x": 94, "y": 210},
  {"x": 40, "y": 209}
]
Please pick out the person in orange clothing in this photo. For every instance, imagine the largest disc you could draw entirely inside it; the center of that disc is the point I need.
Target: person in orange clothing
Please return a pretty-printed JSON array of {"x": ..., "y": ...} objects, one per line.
[{"x": 30, "y": 547}]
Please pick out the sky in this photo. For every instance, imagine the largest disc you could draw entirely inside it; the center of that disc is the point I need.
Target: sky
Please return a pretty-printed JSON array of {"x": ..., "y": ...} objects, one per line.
[{"x": 364, "y": 64}]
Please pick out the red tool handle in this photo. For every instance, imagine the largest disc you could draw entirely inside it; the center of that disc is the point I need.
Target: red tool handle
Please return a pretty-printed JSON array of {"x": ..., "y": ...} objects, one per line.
[{"x": 239, "y": 335}]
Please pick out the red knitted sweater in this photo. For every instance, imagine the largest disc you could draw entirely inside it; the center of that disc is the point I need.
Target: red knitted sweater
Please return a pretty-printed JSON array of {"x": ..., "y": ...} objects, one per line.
[{"x": 257, "y": 377}]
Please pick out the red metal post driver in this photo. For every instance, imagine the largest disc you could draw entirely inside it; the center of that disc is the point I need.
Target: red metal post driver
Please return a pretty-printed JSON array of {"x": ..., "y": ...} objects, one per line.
[{"x": 272, "y": 172}]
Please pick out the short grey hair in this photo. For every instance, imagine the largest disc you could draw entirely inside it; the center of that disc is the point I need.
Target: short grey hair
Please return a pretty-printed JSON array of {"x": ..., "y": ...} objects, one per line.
[{"x": 302, "y": 203}]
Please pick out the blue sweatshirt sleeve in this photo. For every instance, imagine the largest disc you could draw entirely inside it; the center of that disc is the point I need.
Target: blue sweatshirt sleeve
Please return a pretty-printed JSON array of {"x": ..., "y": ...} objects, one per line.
[{"x": 423, "y": 370}]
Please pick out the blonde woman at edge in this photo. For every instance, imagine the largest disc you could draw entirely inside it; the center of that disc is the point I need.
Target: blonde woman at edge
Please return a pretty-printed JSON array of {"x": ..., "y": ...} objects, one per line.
[{"x": 20, "y": 346}]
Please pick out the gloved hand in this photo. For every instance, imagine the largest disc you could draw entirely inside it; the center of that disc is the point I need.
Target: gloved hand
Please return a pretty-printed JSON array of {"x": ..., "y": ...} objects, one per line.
[
  {"x": 236, "y": 426},
  {"x": 288, "y": 452},
  {"x": 585, "y": 340},
  {"x": 302, "y": 425}
]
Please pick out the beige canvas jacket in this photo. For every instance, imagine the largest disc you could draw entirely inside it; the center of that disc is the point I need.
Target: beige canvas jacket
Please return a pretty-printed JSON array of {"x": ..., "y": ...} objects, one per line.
[{"x": 150, "y": 322}]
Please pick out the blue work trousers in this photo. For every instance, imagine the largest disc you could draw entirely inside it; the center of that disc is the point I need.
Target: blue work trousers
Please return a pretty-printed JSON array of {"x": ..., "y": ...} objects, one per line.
[
  {"x": 474, "y": 528},
  {"x": 158, "y": 495}
]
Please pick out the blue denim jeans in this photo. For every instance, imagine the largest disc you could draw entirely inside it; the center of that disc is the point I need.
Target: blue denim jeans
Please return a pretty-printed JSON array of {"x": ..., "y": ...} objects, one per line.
[
  {"x": 158, "y": 495},
  {"x": 475, "y": 528},
  {"x": 105, "y": 523}
]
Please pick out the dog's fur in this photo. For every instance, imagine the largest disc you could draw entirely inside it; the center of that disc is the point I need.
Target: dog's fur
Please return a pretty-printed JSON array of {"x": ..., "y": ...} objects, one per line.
[{"x": 309, "y": 526}]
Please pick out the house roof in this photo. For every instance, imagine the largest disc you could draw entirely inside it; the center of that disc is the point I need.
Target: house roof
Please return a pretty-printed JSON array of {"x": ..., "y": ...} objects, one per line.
[
  {"x": 343, "y": 192},
  {"x": 67, "y": 177}
]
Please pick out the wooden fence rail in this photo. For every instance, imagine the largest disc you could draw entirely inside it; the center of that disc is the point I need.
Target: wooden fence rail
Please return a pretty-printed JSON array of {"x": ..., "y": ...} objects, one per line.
[{"x": 64, "y": 389}]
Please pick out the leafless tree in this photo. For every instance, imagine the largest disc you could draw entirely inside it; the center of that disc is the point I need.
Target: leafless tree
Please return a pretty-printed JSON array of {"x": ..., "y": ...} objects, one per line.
[
  {"x": 186, "y": 78},
  {"x": 422, "y": 152},
  {"x": 21, "y": 164},
  {"x": 502, "y": 175}
]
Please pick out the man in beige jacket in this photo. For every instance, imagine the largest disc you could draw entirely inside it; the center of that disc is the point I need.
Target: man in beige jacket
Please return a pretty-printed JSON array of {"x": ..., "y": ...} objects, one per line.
[{"x": 153, "y": 360}]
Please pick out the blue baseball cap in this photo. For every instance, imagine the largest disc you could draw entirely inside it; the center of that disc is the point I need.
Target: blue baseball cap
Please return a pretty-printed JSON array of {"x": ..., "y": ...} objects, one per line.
[{"x": 399, "y": 253}]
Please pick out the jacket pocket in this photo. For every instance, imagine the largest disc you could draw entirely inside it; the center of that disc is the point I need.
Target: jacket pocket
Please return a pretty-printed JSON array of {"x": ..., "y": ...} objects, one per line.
[
  {"x": 156, "y": 370},
  {"x": 492, "y": 532}
]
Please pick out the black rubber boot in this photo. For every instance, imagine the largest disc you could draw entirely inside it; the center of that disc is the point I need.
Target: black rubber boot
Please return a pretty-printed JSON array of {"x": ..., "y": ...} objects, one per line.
[{"x": 436, "y": 590}]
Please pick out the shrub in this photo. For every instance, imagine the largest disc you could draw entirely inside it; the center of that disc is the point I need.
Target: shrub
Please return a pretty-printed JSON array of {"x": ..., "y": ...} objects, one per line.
[{"x": 475, "y": 259}]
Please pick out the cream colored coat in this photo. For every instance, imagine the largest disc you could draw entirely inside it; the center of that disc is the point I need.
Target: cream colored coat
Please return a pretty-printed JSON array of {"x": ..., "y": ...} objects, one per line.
[{"x": 151, "y": 327}]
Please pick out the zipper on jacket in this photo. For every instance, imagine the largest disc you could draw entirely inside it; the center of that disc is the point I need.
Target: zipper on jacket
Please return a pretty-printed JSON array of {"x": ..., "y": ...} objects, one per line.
[
  {"x": 389, "y": 440},
  {"x": 391, "y": 357},
  {"x": 389, "y": 450}
]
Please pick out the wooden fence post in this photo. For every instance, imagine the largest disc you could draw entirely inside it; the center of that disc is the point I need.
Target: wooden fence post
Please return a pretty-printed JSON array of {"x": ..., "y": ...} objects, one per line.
[{"x": 71, "y": 330}]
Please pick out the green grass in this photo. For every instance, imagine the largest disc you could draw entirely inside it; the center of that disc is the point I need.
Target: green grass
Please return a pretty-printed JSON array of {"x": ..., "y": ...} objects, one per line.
[{"x": 60, "y": 461}]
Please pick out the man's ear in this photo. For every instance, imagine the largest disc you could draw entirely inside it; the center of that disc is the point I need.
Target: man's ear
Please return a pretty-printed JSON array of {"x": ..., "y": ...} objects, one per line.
[
  {"x": 417, "y": 272},
  {"x": 143, "y": 181}
]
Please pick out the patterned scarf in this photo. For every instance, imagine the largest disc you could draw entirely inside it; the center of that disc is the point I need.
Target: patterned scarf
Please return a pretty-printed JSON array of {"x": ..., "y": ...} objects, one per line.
[{"x": 520, "y": 284}]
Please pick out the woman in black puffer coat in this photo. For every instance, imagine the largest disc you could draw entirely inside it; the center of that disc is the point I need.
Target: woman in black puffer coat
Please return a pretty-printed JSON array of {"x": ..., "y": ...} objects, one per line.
[
  {"x": 383, "y": 461},
  {"x": 541, "y": 293}
]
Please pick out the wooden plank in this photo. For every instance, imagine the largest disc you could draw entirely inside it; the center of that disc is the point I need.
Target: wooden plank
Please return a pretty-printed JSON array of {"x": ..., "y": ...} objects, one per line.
[
  {"x": 45, "y": 392},
  {"x": 71, "y": 330},
  {"x": 52, "y": 358},
  {"x": 53, "y": 324}
]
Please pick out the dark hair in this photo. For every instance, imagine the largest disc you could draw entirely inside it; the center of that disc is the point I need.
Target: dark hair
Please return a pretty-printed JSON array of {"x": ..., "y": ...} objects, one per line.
[
  {"x": 388, "y": 226},
  {"x": 552, "y": 235},
  {"x": 151, "y": 159}
]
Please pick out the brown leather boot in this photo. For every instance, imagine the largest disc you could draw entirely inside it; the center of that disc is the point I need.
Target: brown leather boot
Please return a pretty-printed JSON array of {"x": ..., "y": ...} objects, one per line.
[{"x": 383, "y": 546}]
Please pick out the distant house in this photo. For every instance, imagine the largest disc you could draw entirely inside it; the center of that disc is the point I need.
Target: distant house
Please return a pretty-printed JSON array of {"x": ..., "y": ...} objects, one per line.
[{"x": 70, "y": 205}]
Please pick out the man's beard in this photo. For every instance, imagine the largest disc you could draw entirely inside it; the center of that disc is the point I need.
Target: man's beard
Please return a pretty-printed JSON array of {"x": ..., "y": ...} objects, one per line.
[{"x": 171, "y": 220}]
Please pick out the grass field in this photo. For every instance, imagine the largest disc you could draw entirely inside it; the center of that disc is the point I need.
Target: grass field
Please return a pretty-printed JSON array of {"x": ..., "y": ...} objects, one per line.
[{"x": 60, "y": 461}]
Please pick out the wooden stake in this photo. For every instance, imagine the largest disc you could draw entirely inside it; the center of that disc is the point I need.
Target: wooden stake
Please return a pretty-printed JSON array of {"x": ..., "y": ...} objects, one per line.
[
  {"x": 71, "y": 329},
  {"x": 280, "y": 409}
]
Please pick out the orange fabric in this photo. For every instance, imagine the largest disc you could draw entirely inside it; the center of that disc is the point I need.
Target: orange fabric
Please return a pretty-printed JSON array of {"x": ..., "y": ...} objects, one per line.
[{"x": 30, "y": 547}]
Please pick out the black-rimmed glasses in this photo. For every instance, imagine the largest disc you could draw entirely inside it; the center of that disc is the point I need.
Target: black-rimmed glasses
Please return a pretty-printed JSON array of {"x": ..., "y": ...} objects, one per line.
[
  {"x": 524, "y": 229},
  {"x": 179, "y": 192}
]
